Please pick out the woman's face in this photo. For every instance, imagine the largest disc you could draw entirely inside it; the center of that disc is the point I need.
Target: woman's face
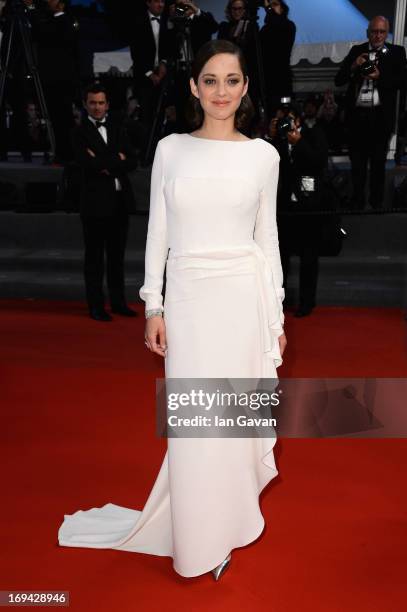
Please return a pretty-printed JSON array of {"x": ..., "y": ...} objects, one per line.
[
  {"x": 276, "y": 6},
  {"x": 220, "y": 86},
  {"x": 237, "y": 10}
]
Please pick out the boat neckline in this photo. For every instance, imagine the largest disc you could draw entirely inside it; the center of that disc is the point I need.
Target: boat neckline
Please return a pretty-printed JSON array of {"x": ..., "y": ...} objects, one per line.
[{"x": 217, "y": 139}]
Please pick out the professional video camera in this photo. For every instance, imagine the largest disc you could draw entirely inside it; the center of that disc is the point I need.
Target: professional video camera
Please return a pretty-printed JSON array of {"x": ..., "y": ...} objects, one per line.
[
  {"x": 181, "y": 10},
  {"x": 180, "y": 18}
]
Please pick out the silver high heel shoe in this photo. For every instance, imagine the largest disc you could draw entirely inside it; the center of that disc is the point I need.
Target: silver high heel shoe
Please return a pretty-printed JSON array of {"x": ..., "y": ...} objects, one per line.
[{"x": 222, "y": 567}]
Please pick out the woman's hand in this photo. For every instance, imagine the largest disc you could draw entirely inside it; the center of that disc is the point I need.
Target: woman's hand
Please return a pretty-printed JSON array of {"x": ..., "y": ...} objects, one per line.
[
  {"x": 155, "y": 330},
  {"x": 282, "y": 340}
]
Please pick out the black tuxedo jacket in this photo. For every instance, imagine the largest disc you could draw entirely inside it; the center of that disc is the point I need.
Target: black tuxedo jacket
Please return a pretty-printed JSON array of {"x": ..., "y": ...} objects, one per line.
[
  {"x": 393, "y": 74},
  {"x": 277, "y": 38},
  {"x": 200, "y": 28},
  {"x": 98, "y": 190},
  {"x": 56, "y": 46},
  {"x": 142, "y": 45}
]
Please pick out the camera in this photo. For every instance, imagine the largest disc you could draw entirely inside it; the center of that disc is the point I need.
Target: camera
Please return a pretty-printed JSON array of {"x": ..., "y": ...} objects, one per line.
[
  {"x": 285, "y": 124},
  {"x": 181, "y": 10},
  {"x": 369, "y": 66}
]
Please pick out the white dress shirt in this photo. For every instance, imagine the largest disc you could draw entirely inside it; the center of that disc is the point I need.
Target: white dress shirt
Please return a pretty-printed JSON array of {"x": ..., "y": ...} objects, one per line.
[
  {"x": 155, "y": 26},
  {"x": 103, "y": 132}
]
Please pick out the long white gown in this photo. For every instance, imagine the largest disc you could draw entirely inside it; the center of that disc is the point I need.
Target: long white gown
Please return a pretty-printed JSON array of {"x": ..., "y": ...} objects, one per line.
[{"x": 213, "y": 225}]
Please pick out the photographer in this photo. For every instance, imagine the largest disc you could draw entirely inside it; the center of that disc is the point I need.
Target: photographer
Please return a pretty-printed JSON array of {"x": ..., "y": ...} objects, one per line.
[
  {"x": 239, "y": 29},
  {"x": 189, "y": 28},
  {"x": 374, "y": 72},
  {"x": 55, "y": 38},
  {"x": 277, "y": 38},
  {"x": 200, "y": 26},
  {"x": 303, "y": 153},
  {"x": 149, "y": 48}
]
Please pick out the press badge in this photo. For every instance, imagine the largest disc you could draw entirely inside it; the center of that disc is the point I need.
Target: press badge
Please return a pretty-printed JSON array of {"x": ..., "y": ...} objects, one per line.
[
  {"x": 307, "y": 184},
  {"x": 366, "y": 97}
]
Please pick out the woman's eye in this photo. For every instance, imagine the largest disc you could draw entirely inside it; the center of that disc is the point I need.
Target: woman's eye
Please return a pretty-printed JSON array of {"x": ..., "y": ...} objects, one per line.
[{"x": 230, "y": 81}]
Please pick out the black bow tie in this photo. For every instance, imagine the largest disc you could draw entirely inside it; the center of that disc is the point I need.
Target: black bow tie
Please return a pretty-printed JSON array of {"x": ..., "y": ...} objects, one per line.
[
  {"x": 100, "y": 124},
  {"x": 155, "y": 19}
]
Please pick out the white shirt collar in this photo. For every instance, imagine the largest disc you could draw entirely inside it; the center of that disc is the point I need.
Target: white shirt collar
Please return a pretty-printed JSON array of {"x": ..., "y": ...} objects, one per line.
[
  {"x": 155, "y": 16},
  {"x": 377, "y": 48},
  {"x": 93, "y": 120},
  {"x": 59, "y": 14}
]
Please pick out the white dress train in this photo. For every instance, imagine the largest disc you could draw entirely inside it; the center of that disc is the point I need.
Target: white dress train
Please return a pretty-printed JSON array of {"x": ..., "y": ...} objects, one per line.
[{"x": 213, "y": 225}]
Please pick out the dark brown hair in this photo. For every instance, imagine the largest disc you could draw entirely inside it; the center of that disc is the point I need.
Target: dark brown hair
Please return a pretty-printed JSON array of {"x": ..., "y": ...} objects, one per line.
[
  {"x": 194, "y": 111},
  {"x": 94, "y": 88},
  {"x": 228, "y": 10}
]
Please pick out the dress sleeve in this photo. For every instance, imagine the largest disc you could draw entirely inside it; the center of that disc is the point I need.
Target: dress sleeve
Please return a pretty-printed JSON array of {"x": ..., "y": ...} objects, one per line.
[
  {"x": 156, "y": 245},
  {"x": 265, "y": 232}
]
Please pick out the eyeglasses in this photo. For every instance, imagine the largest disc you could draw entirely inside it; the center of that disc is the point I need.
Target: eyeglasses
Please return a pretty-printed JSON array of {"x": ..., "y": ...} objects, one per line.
[{"x": 378, "y": 31}]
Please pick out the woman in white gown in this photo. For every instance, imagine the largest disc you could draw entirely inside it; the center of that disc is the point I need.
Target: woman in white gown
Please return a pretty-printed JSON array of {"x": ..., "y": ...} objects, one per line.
[{"x": 212, "y": 224}]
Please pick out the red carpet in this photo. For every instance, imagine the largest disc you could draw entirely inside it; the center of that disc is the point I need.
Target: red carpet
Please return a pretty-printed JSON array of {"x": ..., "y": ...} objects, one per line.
[{"x": 78, "y": 431}]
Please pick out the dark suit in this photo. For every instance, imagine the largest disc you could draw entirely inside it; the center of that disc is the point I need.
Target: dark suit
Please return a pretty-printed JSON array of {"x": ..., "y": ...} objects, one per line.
[
  {"x": 58, "y": 65},
  {"x": 277, "y": 38},
  {"x": 301, "y": 233},
  {"x": 202, "y": 27},
  {"x": 246, "y": 41},
  {"x": 370, "y": 128},
  {"x": 199, "y": 30},
  {"x": 104, "y": 210},
  {"x": 143, "y": 52}
]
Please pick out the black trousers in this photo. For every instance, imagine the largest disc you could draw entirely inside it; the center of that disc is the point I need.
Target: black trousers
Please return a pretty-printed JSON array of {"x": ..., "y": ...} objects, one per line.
[
  {"x": 105, "y": 236},
  {"x": 300, "y": 236},
  {"x": 309, "y": 268},
  {"x": 368, "y": 145}
]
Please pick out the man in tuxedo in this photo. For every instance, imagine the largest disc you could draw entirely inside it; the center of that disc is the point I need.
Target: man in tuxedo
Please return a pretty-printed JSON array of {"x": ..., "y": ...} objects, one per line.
[
  {"x": 200, "y": 25},
  {"x": 189, "y": 28},
  {"x": 374, "y": 71},
  {"x": 149, "y": 50},
  {"x": 102, "y": 151},
  {"x": 55, "y": 38}
]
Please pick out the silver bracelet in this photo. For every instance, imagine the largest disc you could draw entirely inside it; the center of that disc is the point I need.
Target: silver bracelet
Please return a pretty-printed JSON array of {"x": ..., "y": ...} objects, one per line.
[{"x": 154, "y": 312}]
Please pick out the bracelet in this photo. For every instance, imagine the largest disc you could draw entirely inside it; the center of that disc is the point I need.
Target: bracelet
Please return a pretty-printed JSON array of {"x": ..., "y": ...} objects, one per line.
[{"x": 154, "y": 312}]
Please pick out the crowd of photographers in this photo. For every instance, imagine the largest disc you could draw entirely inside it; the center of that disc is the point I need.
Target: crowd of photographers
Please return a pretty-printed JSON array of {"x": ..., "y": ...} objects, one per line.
[{"x": 163, "y": 40}]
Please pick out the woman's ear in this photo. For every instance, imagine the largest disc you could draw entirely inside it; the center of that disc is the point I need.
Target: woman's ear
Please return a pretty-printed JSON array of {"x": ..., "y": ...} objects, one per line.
[
  {"x": 194, "y": 88},
  {"x": 246, "y": 86}
]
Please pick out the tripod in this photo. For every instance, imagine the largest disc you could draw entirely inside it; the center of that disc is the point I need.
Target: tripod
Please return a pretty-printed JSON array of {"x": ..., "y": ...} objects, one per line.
[
  {"x": 177, "y": 76},
  {"x": 19, "y": 22}
]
